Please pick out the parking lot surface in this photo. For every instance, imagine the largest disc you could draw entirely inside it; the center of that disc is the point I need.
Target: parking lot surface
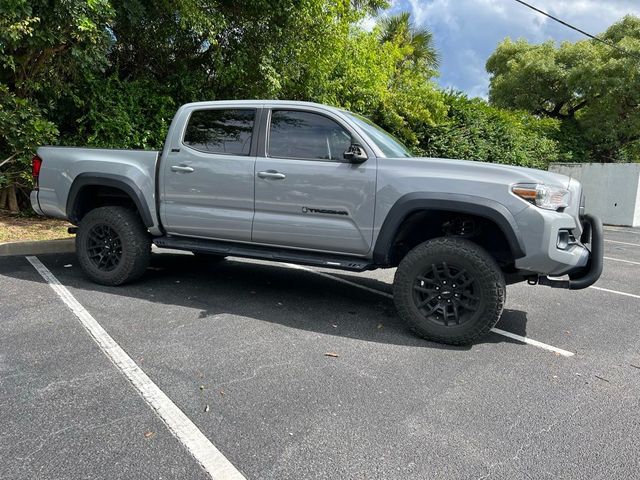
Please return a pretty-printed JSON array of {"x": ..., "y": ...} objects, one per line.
[{"x": 302, "y": 373}]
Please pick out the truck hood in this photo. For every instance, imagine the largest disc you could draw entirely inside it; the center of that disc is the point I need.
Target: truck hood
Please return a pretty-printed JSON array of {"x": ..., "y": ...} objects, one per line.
[{"x": 508, "y": 173}]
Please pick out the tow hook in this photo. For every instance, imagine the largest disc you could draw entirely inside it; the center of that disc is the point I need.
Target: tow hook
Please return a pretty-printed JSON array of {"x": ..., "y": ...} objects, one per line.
[{"x": 532, "y": 280}]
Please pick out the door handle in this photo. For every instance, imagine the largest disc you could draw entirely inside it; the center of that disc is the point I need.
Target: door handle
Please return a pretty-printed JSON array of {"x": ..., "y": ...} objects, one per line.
[
  {"x": 181, "y": 168},
  {"x": 272, "y": 174}
]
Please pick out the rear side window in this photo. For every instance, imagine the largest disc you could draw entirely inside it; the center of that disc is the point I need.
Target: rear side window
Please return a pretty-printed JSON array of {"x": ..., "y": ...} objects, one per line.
[
  {"x": 225, "y": 131},
  {"x": 305, "y": 135}
]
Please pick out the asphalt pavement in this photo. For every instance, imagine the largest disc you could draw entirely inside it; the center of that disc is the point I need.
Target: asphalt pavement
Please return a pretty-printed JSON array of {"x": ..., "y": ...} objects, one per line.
[{"x": 301, "y": 373}]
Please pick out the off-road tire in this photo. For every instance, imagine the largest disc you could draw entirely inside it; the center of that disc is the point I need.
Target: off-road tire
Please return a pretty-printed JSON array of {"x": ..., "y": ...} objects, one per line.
[
  {"x": 132, "y": 237},
  {"x": 454, "y": 253}
]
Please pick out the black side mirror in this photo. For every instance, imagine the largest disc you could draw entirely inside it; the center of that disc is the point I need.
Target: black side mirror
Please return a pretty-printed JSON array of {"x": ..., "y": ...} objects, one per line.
[{"x": 355, "y": 154}]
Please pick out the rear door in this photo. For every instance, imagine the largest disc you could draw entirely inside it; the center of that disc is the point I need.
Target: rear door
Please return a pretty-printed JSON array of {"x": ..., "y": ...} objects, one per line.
[
  {"x": 208, "y": 175},
  {"x": 306, "y": 195}
]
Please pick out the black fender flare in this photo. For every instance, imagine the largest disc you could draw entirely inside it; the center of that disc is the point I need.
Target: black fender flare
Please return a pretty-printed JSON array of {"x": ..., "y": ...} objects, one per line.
[
  {"x": 452, "y": 202},
  {"x": 108, "y": 180}
]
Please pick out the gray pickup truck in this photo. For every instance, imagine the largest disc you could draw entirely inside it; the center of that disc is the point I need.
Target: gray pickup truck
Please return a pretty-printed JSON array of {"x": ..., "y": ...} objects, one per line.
[{"x": 316, "y": 185}]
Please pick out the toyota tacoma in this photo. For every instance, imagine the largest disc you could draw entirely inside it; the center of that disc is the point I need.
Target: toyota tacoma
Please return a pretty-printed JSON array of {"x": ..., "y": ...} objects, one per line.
[{"x": 316, "y": 185}]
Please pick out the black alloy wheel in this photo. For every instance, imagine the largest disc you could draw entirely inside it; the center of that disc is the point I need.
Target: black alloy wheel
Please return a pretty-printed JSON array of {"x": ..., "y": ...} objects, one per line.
[
  {"x": 447, "y": 294},
  {"x": 104, "y": 247}
]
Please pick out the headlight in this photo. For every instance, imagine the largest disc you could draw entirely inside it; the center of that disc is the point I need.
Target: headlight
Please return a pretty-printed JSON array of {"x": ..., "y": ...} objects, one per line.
[{"x": 544, "y": 196}]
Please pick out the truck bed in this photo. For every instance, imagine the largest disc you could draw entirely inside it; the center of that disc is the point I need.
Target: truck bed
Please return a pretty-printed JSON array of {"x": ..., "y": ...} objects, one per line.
[{"x": 61, "y": 166}]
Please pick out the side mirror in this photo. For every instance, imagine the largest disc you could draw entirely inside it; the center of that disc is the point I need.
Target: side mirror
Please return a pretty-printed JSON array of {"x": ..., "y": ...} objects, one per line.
[{"x": 355, "y": 154}]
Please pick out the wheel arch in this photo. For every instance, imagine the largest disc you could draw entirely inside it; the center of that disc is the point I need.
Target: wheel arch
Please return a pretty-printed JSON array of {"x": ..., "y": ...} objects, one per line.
[
  {"x": 79, "y": 198},
  {"x": 453, "y": 203}
]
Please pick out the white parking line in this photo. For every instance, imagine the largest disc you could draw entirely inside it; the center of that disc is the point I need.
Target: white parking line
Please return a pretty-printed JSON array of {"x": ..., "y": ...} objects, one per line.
[
  {"x": 615, "y": 291},
  {"x": 622, "y": 230},
  {"x": 211, "y": 459},
  {"x": 527, "y": 340},
  {"x": 620, "y": 260},
  {"x": 623, "y": 243},
  {"x": 535, "y": 343}
]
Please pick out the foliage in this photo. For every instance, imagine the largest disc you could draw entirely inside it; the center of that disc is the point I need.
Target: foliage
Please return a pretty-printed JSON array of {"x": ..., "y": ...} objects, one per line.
[
  {"x": 122, "y": 114},
  {"x": 43, "y": 48},
  {"x": 475, "y": 130},
  {"x": 110, "y": 73},
  {"x": 592, "y": 88},
  {"x": 22, "y": 126}
]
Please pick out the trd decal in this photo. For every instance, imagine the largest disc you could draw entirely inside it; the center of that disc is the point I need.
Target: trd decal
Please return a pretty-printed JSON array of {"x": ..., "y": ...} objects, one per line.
[{"x": 323, "y": 210}]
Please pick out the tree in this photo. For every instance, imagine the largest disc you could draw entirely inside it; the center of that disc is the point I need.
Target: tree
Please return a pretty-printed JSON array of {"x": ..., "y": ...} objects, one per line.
[
  {"x": 475, "y": 130},
  {"x": 592, "y": 88},
  {"x": 44, "y": 45},
  {"x": 417, "y": 43}
]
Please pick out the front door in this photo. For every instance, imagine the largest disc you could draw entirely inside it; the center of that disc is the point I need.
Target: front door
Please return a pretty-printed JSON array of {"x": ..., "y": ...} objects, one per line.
[
  {"x": 306, "y": 194},
  {"x": 208, "y": 181}
]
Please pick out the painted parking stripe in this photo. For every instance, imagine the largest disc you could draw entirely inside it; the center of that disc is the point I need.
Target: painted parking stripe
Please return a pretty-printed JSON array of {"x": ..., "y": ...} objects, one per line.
[
  {"x": 621, "y": 230},
  {"x": 617, "y": 292},
  {"x": 207, "y": 455},
  {"x": 621, "y": 260},
  {"x": 535, "y": 343},
  {"x": 527, "y": 340},
  {"x": 623, "y": 243}
]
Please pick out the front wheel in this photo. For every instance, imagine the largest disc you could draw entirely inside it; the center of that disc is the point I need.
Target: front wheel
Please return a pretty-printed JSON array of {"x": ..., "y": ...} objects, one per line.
[
  {"x": 113, "y": 245},
  {"x": 449, "y": 290}
]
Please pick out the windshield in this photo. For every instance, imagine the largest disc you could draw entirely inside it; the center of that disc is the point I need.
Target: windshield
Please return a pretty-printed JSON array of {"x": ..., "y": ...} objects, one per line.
[{"x": 390, "y": 146}]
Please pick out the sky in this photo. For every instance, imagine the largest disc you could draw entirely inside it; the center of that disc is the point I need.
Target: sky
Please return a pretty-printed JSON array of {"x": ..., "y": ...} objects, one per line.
[{"x": 466, "y": 32}]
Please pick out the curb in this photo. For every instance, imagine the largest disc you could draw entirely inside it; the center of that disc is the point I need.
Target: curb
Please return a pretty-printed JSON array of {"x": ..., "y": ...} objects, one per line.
[{"x": 43, "y": 247}]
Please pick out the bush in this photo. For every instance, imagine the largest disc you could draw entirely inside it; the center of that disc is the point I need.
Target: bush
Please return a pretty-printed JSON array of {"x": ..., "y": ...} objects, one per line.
[
  {"x": 121, "y": 114},
  {"x": 474, "y": 130},
  {"x": 23, "y": 127}
]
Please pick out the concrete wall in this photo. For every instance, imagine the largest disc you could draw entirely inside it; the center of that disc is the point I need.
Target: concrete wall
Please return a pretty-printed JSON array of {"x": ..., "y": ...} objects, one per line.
[{"x": 612, "y": 190}]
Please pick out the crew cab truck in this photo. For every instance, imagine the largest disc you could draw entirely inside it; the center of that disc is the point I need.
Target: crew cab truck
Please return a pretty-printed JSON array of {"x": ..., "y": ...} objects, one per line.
[{"x": 315, "y": 185}]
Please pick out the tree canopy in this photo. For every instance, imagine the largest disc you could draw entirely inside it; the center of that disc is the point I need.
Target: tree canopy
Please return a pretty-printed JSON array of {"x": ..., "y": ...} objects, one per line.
[
  {"x": 592, "y": 88},
  {"x": 111, "y": 73}
]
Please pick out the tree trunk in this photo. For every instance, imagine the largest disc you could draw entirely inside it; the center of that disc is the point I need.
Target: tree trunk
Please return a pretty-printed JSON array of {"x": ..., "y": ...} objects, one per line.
[
  {"x": 3, "y": 198},
  {"x": 12, "y": 199}
]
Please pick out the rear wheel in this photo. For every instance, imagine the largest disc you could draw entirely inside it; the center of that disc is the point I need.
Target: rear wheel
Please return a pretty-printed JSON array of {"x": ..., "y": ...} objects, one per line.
[
  {"x": 113, "y": 245},
  {"x": 449, "y": 290}
]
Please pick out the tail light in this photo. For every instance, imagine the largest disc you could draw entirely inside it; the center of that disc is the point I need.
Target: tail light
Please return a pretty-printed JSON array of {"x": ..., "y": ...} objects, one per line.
[{"x": 36, "y": 163}]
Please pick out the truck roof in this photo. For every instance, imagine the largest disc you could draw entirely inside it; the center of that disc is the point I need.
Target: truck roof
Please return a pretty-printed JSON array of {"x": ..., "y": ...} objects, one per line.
[{"x": 213, "y": 103}]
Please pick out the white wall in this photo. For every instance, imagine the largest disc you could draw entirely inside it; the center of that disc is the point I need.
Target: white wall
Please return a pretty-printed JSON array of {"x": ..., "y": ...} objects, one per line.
[{"x": 612, "y": 190}]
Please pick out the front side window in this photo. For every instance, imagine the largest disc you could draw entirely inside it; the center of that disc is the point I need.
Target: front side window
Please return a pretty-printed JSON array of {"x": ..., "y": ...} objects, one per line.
[
  {"x": 223, "y": 131},
  {"x": 305, "y": 135}
]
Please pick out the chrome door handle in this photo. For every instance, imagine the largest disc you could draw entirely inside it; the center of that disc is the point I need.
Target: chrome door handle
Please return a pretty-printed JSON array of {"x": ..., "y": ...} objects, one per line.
[
  {"x": 272, "y": 174},
  {"x": 181, "y": 168}
]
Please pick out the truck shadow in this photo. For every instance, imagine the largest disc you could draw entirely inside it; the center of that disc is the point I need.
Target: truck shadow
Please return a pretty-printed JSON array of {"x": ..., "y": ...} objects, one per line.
[{"x": 267, "y": 292}]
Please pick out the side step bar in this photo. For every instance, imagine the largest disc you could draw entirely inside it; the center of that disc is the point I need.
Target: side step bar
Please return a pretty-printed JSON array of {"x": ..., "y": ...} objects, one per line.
[{"x": 354, "y": 264}]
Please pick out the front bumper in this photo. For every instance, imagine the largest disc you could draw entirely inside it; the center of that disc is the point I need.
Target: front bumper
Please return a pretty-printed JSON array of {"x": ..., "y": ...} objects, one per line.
[{"x": 585, "y": 276}]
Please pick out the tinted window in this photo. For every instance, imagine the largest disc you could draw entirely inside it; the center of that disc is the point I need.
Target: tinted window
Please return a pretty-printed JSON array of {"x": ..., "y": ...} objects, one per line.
[
  {"x": 306, "y": 135},
  {"x": 220, "y": 131}
]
